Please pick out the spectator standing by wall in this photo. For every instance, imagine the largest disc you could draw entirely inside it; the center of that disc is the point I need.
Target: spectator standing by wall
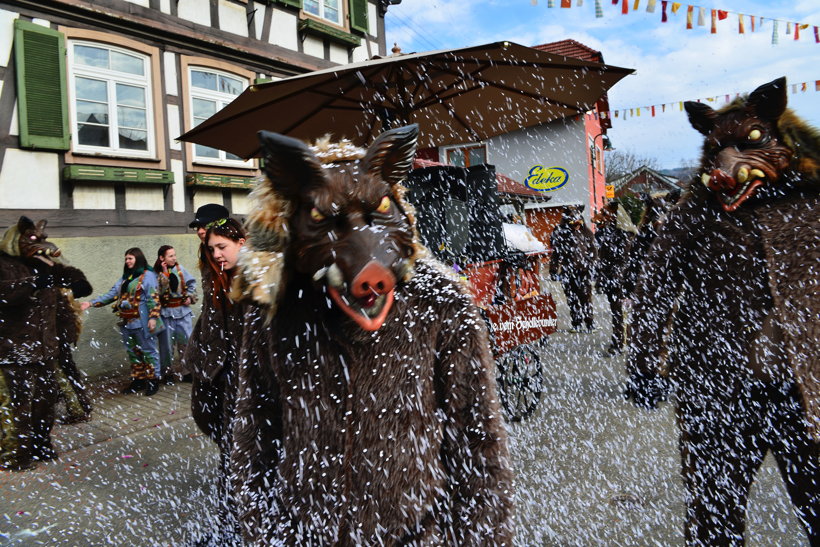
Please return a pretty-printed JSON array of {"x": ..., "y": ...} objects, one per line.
[
  {"x": 177, "y": 292},
  {"x": 135, "y": 298},
  {"x": 573, "y": 259}
]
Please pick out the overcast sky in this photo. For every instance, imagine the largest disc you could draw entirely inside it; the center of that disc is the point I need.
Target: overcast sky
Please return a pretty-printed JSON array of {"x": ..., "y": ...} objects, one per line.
[{"x": 672, "y": 63}]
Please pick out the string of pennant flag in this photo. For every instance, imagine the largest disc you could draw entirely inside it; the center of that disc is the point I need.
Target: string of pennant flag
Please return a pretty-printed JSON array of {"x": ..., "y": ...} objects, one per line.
[
  {"x": 656, "y": 109},
  {"x": 745, "y": 22}
]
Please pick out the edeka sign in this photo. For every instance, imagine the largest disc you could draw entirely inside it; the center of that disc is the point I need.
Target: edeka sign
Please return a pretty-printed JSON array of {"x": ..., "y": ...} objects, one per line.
[{"x": 546, "y": 179}]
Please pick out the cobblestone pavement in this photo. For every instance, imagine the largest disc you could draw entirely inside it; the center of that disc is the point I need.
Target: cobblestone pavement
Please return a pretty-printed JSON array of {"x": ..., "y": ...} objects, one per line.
[{"x": 591, "y": 469}]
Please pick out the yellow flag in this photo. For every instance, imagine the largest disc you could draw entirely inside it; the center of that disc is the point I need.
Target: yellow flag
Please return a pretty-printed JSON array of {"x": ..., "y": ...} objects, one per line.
[{"x": 675, "y": 7}]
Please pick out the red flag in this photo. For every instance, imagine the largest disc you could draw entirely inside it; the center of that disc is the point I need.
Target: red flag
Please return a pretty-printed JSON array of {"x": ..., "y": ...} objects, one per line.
[
  {"x": 689, "y": 10},
  {"x": 625, "y": 7},
  {"x": 816, "y": 82},
  {"x": 714, "y": 21},
  {"x": 753, "y": 22},
  {"x": 817, "y": 35},
  {"x": 653, "y": 110},
  {"x": 796, "y": 31},
  {"x": 664, "y": 17},
  {"x": 722, "y": 14},
  {"x": 566, "y": 3},
  {"x": 614, "y": 2}
]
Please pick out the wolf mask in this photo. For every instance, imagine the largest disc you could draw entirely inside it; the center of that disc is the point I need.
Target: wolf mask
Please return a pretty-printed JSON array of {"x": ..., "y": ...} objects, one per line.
[{"x": 754, "y": 146}]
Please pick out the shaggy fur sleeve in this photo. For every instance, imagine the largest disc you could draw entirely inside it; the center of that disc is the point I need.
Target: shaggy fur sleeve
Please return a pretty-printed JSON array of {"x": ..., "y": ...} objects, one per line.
[
  {"x": 475, "y": 442},
  {"x": 257, "y": 429},
  {"x": 656, "y": 293}
]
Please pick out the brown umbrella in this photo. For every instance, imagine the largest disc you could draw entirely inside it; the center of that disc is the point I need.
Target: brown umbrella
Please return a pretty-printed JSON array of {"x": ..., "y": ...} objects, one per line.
[{"x": 456, "y": 96}]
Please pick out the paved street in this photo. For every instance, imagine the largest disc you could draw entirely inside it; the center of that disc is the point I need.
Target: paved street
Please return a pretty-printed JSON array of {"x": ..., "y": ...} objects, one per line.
[{"x": 591, "y": 469}]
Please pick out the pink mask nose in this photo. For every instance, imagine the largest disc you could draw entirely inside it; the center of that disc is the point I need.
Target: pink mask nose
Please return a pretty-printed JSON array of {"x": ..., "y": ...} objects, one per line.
[{"x": 374, "y": 278}]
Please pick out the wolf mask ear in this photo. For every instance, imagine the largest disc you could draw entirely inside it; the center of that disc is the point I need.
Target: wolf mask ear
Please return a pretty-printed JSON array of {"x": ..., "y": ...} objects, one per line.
[
  {"x": 769, "y": 100},
  {"x": 701, "y": 116},
  {"x": 289, "y": 164},
  {"x": 390, "y": 157},
  {"x": 25, "y": 223}
]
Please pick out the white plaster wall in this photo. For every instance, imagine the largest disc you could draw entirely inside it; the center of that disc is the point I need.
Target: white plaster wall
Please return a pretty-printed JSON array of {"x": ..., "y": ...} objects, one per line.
[
  {"x": 94, "y": 196},
  {"x": 259, "y": 17},
  {"x": 314, "y": 47},
  {"x": 283, "y": 29},
  {"x": 6, "y": 35},
  {"x": 360, "y": 53},
  {"x": 169, "y": 64},
  {"x": 338, "y": 54},
  {"x": 144, "y": 3},
  {"x": 207, "y": 195},
  {"x": 559, "y": 144},
  {"x": 372, "y": 18},
  {"x": 240, "y": 202},
  {"x": 174, "y": 129},
  {"x": 144, "y": 198},
  {"x": 30, "y": 180},
  {"x": 179, "y": 186},
  {"x": 197, "y": 11},
  {"x": 165, "y": 6},
  {"x": 14, "y": 128},
  {"x": 232, "y": 18}
]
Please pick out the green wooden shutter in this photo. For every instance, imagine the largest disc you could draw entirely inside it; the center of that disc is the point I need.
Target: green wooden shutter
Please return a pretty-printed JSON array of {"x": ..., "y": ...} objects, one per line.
[
  {"x": 292, "y": 3},
  {"x": 358, "y": 15},
  {"x": 39, "y": 54}
]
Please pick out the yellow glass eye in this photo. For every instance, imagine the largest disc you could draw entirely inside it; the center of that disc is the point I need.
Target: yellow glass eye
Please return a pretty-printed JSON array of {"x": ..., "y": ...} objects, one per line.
[
  {"x": 316, "y": 215},
  {"x": 384, "y": 205},
  {"x": 755, "y": 134}
]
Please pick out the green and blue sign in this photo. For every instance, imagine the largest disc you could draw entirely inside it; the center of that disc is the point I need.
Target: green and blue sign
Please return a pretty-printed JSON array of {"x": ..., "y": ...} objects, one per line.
[{"x": 546, "y": 179}]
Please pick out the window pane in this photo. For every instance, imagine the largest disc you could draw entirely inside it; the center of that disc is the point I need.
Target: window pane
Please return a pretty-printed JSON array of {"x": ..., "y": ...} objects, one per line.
[
  {"x": 230, "y": 156},
  {"x": 203, "y": 80},
  {"x": 203, "y": 108},
  {"x": 455, "y": 157},
  {"x": 91, "y": 56},
  {"x": 130, "y": 95},
  {"x": 311, "y": 6},
  {"x": 477, "y": 156},
  {"x": 131, "y": 139},
  {"x": 206, "y": 152},
  {"x": 131, "y": 117},
  {"x": 92, "y": 112},
  {"x": 231, "y": 86},
  {"x": 332, "y": 10},
  {"x": 123, "y": 62},
  {"x": 93, "y": 90},
  {"x": 93, "y": 135}
]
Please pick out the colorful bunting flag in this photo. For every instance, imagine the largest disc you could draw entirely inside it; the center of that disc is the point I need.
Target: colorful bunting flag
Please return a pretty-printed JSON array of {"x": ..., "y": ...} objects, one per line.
[
  {"x": 650, "y": 6},
  {"x": 599, "y": 11},
  {"x": 664, "y": 17},
  {"x": 740, "y": 28},
  {"x": 722, "y": 14},
  {"x": 714, "y": 21},
  {"x": 775, "y": 39},
  {"x": 689, "y": 10},
  {"x": 701, "y": 17},
  {"x": 625, "y": 7},
  {"x": 566, "y": 3},
  {"x": 636, "y": 5},
  {"x": 675, "y": 7},
  {"x": 753, "y": 22}
]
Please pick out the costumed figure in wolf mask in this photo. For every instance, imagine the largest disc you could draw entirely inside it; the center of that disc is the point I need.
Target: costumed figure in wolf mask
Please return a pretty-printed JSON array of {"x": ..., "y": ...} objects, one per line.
[
  {"x": 730, "y": 288},
  {"x": 39, "y": 324}
]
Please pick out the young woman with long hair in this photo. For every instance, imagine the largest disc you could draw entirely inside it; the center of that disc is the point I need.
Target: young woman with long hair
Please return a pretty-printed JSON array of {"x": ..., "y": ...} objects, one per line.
[
  {"x": 177, "y": 291},
  {"x": 135, "y": 299},
  {"x": 211, "y": 355}
]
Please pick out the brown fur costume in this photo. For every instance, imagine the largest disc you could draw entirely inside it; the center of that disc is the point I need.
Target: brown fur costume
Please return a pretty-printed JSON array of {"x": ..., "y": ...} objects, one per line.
[
  {"x": 32, "y": 300},
  {"x": 346, "y": 435},
  {"x": 739, "y": 256}
]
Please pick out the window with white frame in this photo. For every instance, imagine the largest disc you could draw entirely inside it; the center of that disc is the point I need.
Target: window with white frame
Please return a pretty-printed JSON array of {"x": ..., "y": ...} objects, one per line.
[
  {"x": 330, "y": 10},
  {"x": 211, "y": 90},
  {"x": 465, "y": 155},
  {"x": 111, "y": 110}
]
